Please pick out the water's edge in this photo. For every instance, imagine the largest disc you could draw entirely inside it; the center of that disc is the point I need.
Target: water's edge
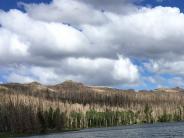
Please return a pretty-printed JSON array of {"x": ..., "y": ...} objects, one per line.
[
  {"x": 14, "y": 135},
  {"x": 104, "y": 129}
]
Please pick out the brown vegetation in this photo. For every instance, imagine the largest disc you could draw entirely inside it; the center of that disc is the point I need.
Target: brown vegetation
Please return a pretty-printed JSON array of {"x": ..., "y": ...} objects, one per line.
[{"x": 33, "y": 108}]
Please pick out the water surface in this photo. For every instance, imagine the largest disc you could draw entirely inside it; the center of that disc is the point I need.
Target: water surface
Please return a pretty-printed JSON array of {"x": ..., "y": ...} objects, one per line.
[{"x": 159, "y": 130}]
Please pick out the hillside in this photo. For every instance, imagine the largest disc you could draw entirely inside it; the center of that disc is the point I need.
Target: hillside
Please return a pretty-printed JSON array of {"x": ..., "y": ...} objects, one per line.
[
  {"x": 77, "y": 87},
  {"x": 76, "y": 92},
  {"x": 34, "y": 107}
]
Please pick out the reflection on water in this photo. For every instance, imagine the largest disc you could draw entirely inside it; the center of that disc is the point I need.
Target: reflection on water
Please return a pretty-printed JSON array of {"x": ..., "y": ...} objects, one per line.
[{"x": 160, "y": 130}]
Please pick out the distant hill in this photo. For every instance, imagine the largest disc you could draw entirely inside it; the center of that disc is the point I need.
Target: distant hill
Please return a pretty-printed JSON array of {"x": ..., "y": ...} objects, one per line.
[
  {"x": 77, "y": 92},
  {"x": 170, "y": 90},
  {"x": 78, "y": 86}
]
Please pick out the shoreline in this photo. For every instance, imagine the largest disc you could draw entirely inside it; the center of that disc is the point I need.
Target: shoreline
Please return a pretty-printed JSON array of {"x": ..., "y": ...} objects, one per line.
[
  {"x": 13, "y": 135},
  {"x": 66, "y": 131}
]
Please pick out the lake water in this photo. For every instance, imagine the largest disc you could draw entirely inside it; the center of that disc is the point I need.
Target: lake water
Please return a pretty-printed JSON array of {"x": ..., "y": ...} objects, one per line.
[{"x": 159, "y": 130}]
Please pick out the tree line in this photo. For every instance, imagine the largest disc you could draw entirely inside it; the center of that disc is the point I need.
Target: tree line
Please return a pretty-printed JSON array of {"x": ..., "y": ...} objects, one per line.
[{"x": 31, "y": 110}]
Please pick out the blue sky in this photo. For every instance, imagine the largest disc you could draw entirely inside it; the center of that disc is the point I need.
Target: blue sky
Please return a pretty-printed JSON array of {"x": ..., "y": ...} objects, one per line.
[
  {"x": 170, "y": 3},
  {"x": 130, "y": 45},
  {"x": 11, "y": 4}
]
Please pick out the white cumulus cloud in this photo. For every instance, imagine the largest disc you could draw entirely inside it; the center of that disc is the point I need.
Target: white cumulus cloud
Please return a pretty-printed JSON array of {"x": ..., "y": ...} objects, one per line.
[{"x": 80, "y": 40}]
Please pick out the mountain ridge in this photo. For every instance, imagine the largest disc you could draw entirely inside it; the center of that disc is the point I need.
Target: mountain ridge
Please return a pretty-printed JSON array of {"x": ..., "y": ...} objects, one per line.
[{"x": 75, "y": 85}]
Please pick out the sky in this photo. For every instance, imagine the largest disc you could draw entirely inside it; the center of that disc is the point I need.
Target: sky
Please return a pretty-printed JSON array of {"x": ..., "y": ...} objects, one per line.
[{"x": 135, "y": 44}]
